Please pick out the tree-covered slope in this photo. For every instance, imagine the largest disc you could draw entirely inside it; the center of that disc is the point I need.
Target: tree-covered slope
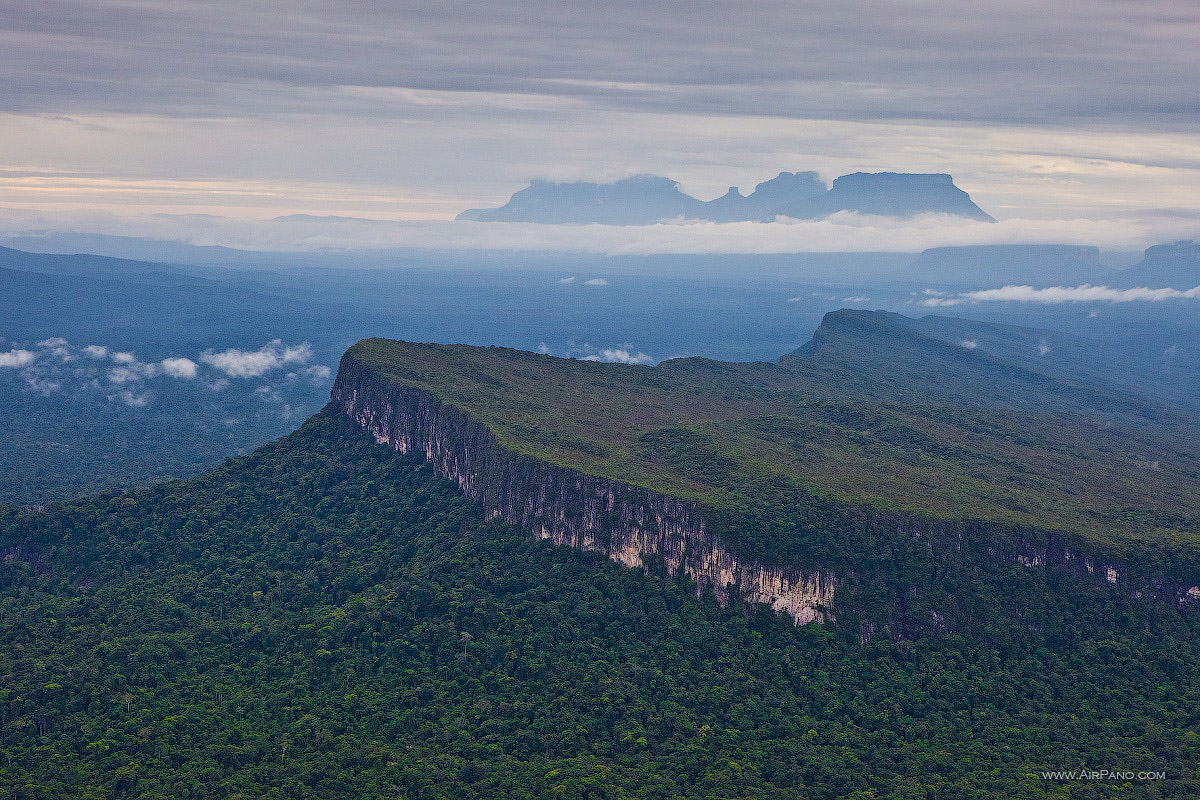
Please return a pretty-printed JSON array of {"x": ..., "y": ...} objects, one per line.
[
  {"x": 872, "y": 413},
  {"x": 324, "y": 618}
]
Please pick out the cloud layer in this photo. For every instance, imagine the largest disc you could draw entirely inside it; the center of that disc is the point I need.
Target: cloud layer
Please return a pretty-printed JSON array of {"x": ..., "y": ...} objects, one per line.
[
  {"x": 253, "y": 363},
  {"x": 1075, "y": 60},
  {"x": 1060, "y": 294},
  {"x": 423, "y": 109},
  {"x": 620, "y": 355},
  {"x": 839, "y": 233},
  {"x": 54, "y": 365}
]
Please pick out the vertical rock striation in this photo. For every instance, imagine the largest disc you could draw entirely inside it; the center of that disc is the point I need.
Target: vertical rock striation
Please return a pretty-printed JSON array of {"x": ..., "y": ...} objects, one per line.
[{"x": 631, "y": 525}]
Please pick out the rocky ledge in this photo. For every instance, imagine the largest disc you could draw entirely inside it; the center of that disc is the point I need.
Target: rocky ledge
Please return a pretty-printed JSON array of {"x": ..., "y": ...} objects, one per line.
[{"x": 632, "y": 525}]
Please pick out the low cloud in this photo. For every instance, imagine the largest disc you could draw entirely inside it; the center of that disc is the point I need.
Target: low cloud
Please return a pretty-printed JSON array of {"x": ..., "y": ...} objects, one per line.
[
  {"x": 969, "y": 344},
  {"x": 568, "y": 279},
  {"x": 122, "y": 375},
  {"x": 183, "y": 368},
  {"x": 42, "y": 385},
  {"x": 616, "y": 355},
  {"x": 254, "y": 363},
  {"x": 596, "y": 282},
  {"x": 841, "y": 232},
  {"x": 53, "y": 365},
  {"x": 17, "y": 358},
  {"x": 133, "y": 399},
  {"x": 316, "y": 374},
  {"x": 1085, "y": 293}
]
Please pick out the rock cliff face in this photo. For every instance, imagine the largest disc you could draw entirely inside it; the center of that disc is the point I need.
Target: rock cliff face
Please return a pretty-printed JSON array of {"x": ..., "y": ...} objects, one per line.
[
  {"x": 1053, "y": 552},
  {"x": 638, "y": 527},
  {"x": 631, "y": 525}
]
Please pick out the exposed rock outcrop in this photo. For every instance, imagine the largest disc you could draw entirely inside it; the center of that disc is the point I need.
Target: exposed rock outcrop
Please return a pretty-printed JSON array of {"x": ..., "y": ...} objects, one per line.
[
  {"x": 629, "y": 524},
  {"x": 872, "y": 578}
]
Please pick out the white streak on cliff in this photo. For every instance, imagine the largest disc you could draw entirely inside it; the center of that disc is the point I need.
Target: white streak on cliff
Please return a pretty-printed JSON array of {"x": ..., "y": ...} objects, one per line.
[{"x": 629, "y": 524}]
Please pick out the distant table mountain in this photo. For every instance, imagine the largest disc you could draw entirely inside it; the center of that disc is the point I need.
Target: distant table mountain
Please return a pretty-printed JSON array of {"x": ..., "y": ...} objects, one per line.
[
  {"x": 892, "y": 194},
  {"x": 1176, "y": 265},
  {"x": 633, "y": 201},
  {"x": 982, "y": 266},
  {"x": 646, "y": 199}
]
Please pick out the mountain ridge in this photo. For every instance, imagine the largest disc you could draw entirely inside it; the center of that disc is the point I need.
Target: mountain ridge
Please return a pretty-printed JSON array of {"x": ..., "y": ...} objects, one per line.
[
  {"x": 735, "y": 495},
  {"x": 1175, "y": 265},
  {"x": 647, "y": 199}
]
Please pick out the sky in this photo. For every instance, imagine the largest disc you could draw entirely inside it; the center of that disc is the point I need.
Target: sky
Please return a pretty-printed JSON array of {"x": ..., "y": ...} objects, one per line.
[{"x": 1081, "y": 111}]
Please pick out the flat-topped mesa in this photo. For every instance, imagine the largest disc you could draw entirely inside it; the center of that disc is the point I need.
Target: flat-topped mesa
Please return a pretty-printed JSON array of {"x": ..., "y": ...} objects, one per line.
[
  {"x": 892, "y": 194},
  {"x": 1175, "y": 265},
  {"x": 649, "y": 199},
  {"x": 631, "y": 525},
  {"x": 808, "y": 480}
]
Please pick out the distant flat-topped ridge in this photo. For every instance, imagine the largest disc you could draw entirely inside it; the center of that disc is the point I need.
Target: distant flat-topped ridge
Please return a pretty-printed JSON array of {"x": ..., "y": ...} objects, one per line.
[
  {"x": 647, "y": 199},
  {"x": 1175, "y": 265},
  {"x": 877, "y": 412}
]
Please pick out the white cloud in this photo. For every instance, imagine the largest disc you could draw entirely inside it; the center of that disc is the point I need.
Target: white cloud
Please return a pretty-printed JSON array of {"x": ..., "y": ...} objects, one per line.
[
  {"x": 855, "y": 299},
  {"x": 839, "y": 233},
  {"x": 618, "y": 355},
  {"x": 133, "y": 399},
  {"x": 596, "y": 282},
  {"x": 1043, "y": 347},
  {"x": 43, "y": 386},
  {"x": 123, "y": 375},
  {"x": 269, "y": 394},
  {"x": 969, "y": 344},
  {"x": 183, "y": 368},
  {"x": 1085, "y": 293},
  {"x": 16, "y": 358},
  {"x": 253, "y": 363},
  {"x": 318, "y": 372},
  {"x": 544, "y": 349},
  {"x": 568, "y": 279}
]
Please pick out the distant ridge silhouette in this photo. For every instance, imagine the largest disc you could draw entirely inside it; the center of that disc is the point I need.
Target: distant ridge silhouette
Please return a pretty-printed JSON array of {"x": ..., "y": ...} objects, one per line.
[
  {"x": 1176, "y": 265},
  {"x": 646, "y": 199}
]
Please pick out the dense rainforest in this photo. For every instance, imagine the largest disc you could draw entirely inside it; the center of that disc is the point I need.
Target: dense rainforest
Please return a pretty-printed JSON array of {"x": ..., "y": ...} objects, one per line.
[{"x": 326, "y": 618}]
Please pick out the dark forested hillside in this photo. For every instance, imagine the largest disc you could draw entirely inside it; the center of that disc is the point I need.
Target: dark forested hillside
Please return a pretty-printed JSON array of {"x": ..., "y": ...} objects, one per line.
[{"x": 325, "y": 618}]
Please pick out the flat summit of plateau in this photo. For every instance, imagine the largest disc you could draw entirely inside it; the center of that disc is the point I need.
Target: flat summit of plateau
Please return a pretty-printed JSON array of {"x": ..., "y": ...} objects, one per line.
[{"x": 877, "y": 412}]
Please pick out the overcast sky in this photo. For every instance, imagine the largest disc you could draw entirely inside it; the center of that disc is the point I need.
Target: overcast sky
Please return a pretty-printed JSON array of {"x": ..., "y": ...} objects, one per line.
[{"x": 245, "y": 108}]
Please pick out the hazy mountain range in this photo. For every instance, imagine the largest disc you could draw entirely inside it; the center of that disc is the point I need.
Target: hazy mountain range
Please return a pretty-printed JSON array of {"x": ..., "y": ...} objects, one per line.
[
  {"x": 971, "y": 266},
  {"x": 646, "y": 199}
]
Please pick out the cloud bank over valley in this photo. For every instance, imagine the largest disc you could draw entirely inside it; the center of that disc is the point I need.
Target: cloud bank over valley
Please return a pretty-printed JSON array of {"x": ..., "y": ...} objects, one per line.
[
  {"x": 841, "y": 232},
  {"x": 1055, "y": 295},
  {"x": 54, "y": 366}
]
